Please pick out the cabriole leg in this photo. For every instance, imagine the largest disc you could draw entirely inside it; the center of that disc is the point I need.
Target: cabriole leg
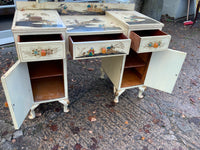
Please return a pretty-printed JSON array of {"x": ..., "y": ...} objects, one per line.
[
  {"x": 141, "y": 90},
  {"x": 32, "y": 112},
  {"x": 102, "y": 73},
  {"x": 65, "y": 105},
  {"x": 117, "y": 94}
]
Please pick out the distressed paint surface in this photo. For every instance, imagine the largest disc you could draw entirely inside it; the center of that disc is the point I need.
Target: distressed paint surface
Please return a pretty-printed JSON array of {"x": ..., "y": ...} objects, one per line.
[
  {"x": 135, "y": 20},
  {"x": 145, "y": 41},
  {"x": 37, "y": 19},
  {"x": 65, "y": 8},
  {"x": 77, "y": 24},
  {"x": 163, "y": 69},
  {"x": 26, "y": 50},
  {"x": 80, "y": 49},
  {"x": 17, "y": 88}
]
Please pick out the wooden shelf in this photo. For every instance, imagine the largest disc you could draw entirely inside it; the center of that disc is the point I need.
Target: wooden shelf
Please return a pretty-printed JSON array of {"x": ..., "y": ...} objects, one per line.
[
  {"x": 48, "y": 88},
  {"x": 133, "y": 60},
  {"x": 130, "y": 78},
  {"x": 43, "y": 69}
]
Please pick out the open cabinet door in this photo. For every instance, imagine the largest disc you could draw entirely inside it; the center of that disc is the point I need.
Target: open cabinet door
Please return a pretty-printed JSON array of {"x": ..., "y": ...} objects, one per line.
[
  {"x": 18, "y": 92},
  {"x": 163, "y": 69}
]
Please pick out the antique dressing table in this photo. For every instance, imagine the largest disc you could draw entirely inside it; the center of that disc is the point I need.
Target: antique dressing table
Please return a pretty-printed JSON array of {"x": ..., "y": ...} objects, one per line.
[{"x": 133, "y": 49}]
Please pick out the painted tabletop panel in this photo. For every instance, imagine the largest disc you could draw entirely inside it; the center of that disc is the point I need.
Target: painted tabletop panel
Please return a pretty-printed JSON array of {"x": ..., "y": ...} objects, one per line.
[
  {"x": 133, "y": 18},
  {"x": 37, "y": 19},
  {"x": 85, "y": 24}
]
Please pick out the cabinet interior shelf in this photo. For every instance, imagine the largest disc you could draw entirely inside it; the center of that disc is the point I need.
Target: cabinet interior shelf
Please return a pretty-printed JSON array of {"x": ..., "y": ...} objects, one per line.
[
  {"x": 130, "y": 78},
  {"x": 43, "y": 69},
  {"x": 133, "y": 60},
  {"x": 48, "y": 88}
]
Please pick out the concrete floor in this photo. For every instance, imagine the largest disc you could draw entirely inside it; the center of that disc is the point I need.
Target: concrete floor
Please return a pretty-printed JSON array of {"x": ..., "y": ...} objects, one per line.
[{"x": 159, "y": 121}]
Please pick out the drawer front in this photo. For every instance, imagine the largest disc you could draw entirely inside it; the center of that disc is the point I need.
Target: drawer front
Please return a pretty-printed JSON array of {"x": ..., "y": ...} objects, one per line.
[
  {"x": 149, "y": 43},
  {"x": 96, "y": 49},
  {"x": 37, "y": 51}
]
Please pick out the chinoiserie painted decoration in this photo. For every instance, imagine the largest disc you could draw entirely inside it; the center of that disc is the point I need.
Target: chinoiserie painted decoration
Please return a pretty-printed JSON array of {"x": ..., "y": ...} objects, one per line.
[{"x": 133, "y": 50}]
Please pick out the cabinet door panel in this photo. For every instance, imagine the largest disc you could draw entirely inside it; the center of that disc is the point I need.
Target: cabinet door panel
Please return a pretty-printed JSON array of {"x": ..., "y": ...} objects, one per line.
[
  {"x": 18, "y": 91},
  {"x": 163, "y": 69}
]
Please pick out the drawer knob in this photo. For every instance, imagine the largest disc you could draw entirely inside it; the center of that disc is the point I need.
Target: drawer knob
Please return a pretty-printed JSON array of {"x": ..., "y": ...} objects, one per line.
[{"x": 43, "y": 53}]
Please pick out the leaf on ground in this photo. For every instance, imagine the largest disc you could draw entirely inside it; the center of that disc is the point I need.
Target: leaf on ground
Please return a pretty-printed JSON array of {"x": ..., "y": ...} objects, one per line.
[
  {"x": 45, "y": 138},
  {"x": 13, "y": 141},
  {"x": 93, "y": 147},
  {"x": 100, "y": 136},
  {"x": 66, "y": 135},
  {"x": 94, "y": 140},
  {"x": 92, "y": 118},
  {"x": 112, "y": 104},
  {"x": 4, "y": 133},
  {"x": 192, "y": 100},
  {"x": 77, "y": 146},
  {"x": 143, "y": 138},
  {"x": 155, "y": 121},
  {"x": 150, "y": 141},
  {"x": 126, "y": 122},
  {"x": 54, "y": 127},
  {"x": 75, "y": 130},
  {"x": 183, "y": 116},
  {"x": 146, "y": 131},
  {"x": 90, "y": 132},
  {"x": 90, "y": 69},
  {"x": 194, "y": 82},
  {"x": 55, "y": 147}
]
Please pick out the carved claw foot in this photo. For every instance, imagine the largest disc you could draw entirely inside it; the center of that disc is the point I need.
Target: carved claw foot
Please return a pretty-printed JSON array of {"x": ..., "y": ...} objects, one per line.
[
  {"x": 32, "y": 111},
  {"x": 117, "y": 94},
  {"x": 116, "y": 100},
  {"x": 140, "y": 93},
  {"x": 65, "y": 105}
]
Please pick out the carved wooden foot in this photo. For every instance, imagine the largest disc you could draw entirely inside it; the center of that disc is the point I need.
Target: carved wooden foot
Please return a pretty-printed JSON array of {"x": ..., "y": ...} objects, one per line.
[
  {"x": 65, "y": 105},
  {"x": 32, "y": 111},
  {"x": 141, "y": 90},
  {"x": 117, "y": 94},
  {"x": 102, "y": 73}
]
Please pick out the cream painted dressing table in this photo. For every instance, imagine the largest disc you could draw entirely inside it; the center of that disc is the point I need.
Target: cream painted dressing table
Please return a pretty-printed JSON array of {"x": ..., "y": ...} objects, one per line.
[{"x": 133, "y": 49}]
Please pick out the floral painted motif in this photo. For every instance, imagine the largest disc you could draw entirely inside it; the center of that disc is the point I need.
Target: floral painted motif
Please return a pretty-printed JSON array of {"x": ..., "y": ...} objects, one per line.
[
  {"x": 154, "y": 44},
  {"x": 91, "y": 51},
  {"x": 42, "y": 52}
]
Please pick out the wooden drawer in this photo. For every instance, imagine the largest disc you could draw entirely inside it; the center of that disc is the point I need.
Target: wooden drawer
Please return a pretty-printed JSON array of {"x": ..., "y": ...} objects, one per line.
[
  {"x": 93, "y": 46},
  {"x": 40, "y": 47},
  {"x": 149, "y": 41}
]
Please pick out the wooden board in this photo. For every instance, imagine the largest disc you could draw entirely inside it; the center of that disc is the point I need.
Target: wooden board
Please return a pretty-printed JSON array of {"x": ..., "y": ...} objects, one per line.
[
  {"x": 43, "y": 69},
  {"x": 48, "y": 88},
  {"x": 163, "y": 69},
  {"x": 17, "y": 88},
  {"x": 130, "y": 78},
  {"x": 133, "y": 60},
  {"x": 112, "y": 66}
]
